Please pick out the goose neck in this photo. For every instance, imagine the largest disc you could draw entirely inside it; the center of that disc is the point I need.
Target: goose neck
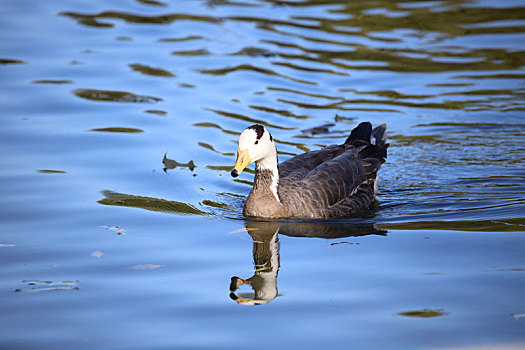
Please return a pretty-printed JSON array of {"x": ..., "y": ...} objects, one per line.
[{"x": 267, "y": 176}]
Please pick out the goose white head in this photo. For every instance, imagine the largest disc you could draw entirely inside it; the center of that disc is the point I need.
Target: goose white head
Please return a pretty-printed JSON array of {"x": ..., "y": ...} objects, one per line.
[{"x": 255, "y": 145}]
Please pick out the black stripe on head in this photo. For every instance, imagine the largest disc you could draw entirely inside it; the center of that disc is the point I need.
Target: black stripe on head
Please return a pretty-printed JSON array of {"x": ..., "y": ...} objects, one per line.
[{"x": 259, "y": 130}]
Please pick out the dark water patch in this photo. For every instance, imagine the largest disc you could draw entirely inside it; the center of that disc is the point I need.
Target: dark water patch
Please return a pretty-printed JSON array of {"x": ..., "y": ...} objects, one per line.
[
  {"x": 214, "y": 204},
  {"x": 492, "y": 76},
  {"x": 197, "y": 52},
  {"x": 11, "y": 61},
  {"x": 147, "y": 70},
  {"x": 329, "y": 229},
  {"x": 87, "y": 20},
  {"x": 425, "y": 313},
  {"x": 124, "y": 38},
  {"x": 486, "y": 92},
  {"x": 148, "y": 203},
  {"x": 50, "y": 171},
  {"x": 255, "y": 52},
  {"x": 49, "y": 81},
  {"x": 500, "y": 225},
  {"x": 214, "y": 3},
  {"x": 222, "y": 205},
  {"x": 509, "y": 269},
  {"x": 114, "y": 96},
  {"x": 344, "y": 243},
  {"x": 119, "y": 130},
  {"x": 181, "y": 39},
  {"x": 156, "y": 112},
  {"x": 449, "y": 85},
  {"x": 153, "y": 3}
]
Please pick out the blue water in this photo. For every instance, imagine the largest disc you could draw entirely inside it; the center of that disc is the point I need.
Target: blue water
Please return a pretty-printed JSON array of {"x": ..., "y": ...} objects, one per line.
[{"x": 102, "y": 247}]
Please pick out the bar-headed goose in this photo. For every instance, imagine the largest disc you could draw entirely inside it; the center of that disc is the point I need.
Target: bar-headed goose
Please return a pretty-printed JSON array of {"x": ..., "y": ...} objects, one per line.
[{"x": 335, "y": 181}]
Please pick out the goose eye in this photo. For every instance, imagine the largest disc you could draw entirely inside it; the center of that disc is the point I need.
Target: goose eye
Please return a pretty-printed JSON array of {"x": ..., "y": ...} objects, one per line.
[{"x": 257, "y": 141}]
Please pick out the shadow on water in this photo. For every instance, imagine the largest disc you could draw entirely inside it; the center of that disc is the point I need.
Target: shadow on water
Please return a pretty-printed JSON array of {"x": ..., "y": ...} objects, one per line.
[{"x": 266, "y": 252}]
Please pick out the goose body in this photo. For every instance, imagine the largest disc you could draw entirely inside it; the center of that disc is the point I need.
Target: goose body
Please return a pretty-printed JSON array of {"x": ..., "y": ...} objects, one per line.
[{"x": 335, "y": 181}]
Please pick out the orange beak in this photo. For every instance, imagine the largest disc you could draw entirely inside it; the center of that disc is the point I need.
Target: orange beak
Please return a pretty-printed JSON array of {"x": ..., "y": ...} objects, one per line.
[{"x": 243, "y": 160}]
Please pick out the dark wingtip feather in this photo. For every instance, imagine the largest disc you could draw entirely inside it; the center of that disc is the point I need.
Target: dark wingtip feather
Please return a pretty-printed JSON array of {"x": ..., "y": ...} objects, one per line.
[
  {"x": 379, "y": 135},
  {"x": 362, "y": 132},
  {"x": 373, "y": 151}
]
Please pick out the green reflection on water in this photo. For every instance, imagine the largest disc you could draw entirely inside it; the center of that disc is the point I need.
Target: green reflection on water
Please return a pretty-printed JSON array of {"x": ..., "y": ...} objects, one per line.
[
  {"x": 432, "y": 24},
  {"x": 147, "y": 70},
  {"x": 153, "y": 3},
  {"x": 114, "y": 96},
  {"x": 49, "y": 81},
  {"x": 425, "y": 313},
  {"x": 502, "y": 225},
  {"x": 10, "y": 61},
  {"x": 148, "y": 203},
  {"x": 51, "y": 171},
  {"x": 119, "y": 129}
]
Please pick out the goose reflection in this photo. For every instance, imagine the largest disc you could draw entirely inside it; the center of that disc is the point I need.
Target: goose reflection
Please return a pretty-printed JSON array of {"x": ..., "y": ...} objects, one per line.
[
  {"x": 266, "y": 252},
  {"x": 266, "y": 262}
]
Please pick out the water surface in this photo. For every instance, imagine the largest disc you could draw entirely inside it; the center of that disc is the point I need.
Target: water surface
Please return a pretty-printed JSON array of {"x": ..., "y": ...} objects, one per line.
[{"x": 121, "y": 227}]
